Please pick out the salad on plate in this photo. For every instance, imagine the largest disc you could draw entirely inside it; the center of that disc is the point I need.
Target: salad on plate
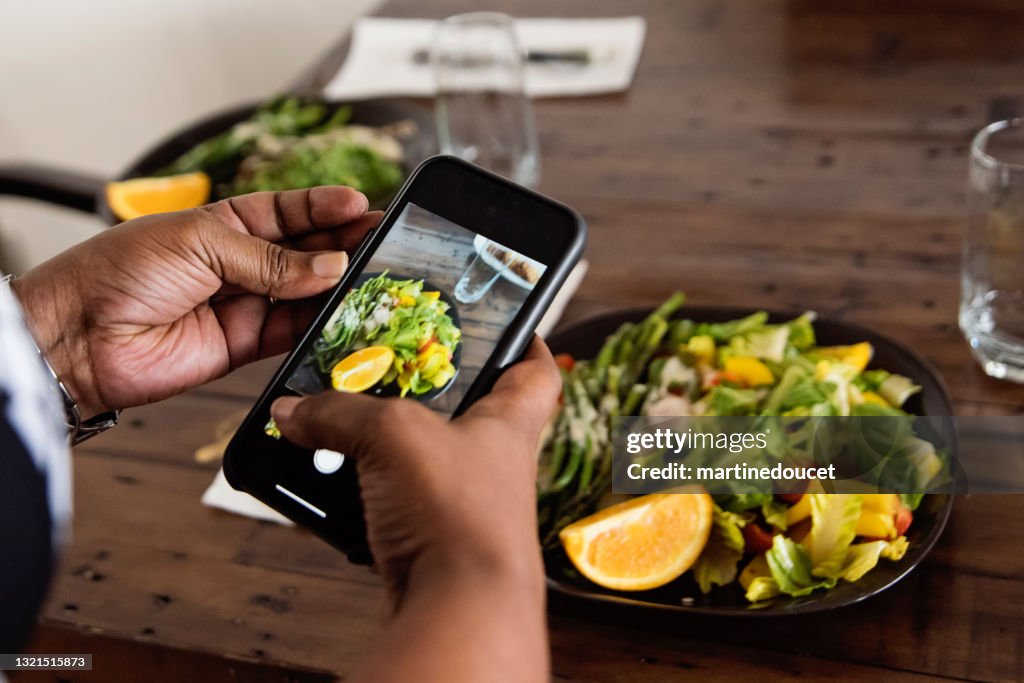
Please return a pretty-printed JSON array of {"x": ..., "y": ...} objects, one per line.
[{"x": 771, "y": 544}]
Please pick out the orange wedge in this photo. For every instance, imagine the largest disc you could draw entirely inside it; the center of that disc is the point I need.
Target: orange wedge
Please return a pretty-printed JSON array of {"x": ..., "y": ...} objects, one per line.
[
  {"x": 142, "y": 196},
  {"x": 359, "y": 371},
  {"x": 640, "y": 544}
]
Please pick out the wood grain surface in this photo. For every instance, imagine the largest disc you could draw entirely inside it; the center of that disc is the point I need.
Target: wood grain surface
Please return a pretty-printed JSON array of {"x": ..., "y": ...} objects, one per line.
[{"x": 792, "y": 155}]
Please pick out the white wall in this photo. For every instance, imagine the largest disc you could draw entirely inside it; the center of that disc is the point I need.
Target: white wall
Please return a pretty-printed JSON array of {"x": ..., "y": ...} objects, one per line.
[{"x": 91, "y": 83}]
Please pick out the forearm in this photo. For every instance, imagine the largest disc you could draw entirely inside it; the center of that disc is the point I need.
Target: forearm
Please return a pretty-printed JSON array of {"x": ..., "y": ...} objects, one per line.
[
  {"x": 55, "y": 323},
  {"x": 487, "y": 628}
]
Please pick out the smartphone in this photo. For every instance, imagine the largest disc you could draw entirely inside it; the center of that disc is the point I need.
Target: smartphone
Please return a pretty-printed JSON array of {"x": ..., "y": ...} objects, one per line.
[{"x": 436, "y": 302}]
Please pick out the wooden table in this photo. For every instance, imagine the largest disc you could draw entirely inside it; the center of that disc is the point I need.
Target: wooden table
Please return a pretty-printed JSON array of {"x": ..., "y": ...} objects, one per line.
[{"x": 793, "y": 155}]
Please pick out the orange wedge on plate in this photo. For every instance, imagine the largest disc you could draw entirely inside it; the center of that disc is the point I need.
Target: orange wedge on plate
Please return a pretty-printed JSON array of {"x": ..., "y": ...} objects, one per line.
[
  {"x": 142, "y": 196},
  {"x": 359, "y": 371},
  {"x": 640, "y": 544}
]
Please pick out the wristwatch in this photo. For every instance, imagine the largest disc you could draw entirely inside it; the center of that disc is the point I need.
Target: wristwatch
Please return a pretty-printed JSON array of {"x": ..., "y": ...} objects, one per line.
[{"x": 80, "y": 430}]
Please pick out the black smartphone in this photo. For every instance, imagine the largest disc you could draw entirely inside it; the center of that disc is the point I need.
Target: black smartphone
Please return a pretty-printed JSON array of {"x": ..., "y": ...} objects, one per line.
[{"x": 436, "y": 302}]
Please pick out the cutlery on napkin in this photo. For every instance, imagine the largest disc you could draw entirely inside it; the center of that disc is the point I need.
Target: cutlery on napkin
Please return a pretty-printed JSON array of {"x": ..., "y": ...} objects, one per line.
[{"x": 390, "y": 57}]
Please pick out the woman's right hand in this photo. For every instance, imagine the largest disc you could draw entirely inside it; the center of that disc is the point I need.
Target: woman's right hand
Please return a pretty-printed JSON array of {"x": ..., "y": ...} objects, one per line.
[
  {"x": 451, "y": 518},
  {"x": 448, "y": 497}
]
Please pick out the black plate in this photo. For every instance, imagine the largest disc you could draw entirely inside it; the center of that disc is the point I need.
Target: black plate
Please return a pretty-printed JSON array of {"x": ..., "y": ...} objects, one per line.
[
  {"x": 308, "y": 380},
  {"x": 584, "y": 339},
  {"x": 87, "y": 192}
]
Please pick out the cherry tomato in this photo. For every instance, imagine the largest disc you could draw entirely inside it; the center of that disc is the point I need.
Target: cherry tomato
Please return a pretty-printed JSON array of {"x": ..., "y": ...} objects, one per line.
[
  {"x": 903, "y": 519},
  {"x": 565, "y": 361},
  {"x": 794, "y": 497},
  {"x": 756, "y": 539},
  {"x": 730, "y": 377}
]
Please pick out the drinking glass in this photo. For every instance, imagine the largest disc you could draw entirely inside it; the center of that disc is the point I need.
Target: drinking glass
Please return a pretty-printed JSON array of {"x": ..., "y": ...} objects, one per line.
[
  {"x": 483, "y": 114},
  {"x": 992, "y": 294},
  {"x": 476, "y": 281}
]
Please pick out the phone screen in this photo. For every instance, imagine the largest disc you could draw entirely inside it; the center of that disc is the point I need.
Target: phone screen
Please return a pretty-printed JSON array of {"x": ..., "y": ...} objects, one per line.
[{"x": 423, "y": 317}]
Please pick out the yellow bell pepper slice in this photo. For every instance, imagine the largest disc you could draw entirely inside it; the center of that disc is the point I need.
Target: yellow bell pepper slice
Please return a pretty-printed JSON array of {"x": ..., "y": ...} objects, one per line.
[
  {"x": 749, "y": 370},
  {"x": 872, "y": 397},
  {"x": 876, "y": 524},
  {"x": 800, "y": 511},
  {"x": 756, "y": 568},
  {"x": 880, "y": 502},
  {"x": 856, "y": 355},
  {"x": 703, "y": 348}
]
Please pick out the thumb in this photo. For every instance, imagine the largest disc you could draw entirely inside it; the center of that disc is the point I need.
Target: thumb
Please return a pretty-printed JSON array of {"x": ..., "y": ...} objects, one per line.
[
  {"x": 268, "y": 269},
  {"x": 353, "y": 424}
]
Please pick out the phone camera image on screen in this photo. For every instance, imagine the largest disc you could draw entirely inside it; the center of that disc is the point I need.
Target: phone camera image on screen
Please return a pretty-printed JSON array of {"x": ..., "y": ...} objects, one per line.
[{"x": 423, "y": 317}]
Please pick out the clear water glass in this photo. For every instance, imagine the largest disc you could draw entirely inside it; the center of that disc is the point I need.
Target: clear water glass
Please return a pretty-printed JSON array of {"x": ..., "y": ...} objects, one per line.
[
  {"x": 476, "y": 281},
  {"x": 482, "y": 111},
  {"x": 992, "y": 294}
]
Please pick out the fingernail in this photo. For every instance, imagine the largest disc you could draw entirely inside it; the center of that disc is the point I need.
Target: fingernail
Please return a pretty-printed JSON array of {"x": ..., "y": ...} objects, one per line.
[
  {"x": 330, "y": 265},
  {"x": 283, "y": 408}
]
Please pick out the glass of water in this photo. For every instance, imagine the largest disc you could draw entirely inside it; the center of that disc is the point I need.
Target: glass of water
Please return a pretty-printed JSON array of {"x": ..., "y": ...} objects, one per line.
[
  {"x": 992, "y": 295},
  {"x": 482, "y": 111}
]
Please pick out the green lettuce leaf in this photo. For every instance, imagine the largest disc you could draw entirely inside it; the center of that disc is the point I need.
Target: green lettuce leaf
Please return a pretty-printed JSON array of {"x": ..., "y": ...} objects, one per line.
[
  {"x": 774, "y": 512},
  {"x": 739, "y": 502},
  {"x": 876, "y": 410},
  {"x": 896, "y": 389},
  {"x": 768, "y": 343},
  {"x": 724, "y": 400},
  {"x": 911, "y": 500},
  {"x": 791, "y": 568},
  {"x": 798, "y": 391},
  {"x": 807, "y": 392},
  {"x": 718, "y": 562},
  {"x": 801, "y": 332},
  {"x": 792, "y": 375},
  {"x": 863, "y": 557},
  {"x": 833, "y": 522},
  {"x": 762, "y": 588},
  {"x": 870, "y": 380}
]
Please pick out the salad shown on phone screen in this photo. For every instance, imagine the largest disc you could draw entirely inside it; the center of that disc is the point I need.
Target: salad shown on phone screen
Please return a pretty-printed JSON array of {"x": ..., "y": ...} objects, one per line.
[
  {"x": 388, "y": 332},
  {"x": 403, "y": 329}
]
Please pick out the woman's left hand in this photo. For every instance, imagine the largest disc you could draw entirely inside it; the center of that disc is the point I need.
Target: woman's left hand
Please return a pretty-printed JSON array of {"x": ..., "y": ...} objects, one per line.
[{"x": 164, "y": 303}]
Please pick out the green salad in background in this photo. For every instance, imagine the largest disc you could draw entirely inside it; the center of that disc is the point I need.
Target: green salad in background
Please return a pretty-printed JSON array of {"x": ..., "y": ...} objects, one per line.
[{"x": 288, "y": 144}]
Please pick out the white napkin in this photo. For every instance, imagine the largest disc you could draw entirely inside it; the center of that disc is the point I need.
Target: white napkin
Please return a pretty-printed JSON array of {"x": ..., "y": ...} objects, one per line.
[
  {"x": 380, "y": 58},
  {"x": 220, "y": 494}
]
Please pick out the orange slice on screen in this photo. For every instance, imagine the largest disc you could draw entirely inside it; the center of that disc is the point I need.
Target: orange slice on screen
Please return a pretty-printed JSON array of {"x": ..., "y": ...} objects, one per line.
[
  {"x": 142, "y": 196},
  {"x": 359, "y": 371},
  {"x": 640, "y": 544}
]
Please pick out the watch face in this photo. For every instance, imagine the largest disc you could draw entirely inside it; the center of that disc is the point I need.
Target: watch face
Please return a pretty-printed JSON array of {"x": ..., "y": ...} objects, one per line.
[{"x": 93, "y": 426}]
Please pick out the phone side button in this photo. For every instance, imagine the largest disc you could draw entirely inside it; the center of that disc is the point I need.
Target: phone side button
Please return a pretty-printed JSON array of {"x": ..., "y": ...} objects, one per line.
[
  {"x": 302, "y": 501},
  {"x": 327, "y": 461}
]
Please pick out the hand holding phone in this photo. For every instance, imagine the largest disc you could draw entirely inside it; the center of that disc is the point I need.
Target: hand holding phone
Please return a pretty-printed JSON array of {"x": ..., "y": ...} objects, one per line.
[
  {"x": 436, "y": 303},
  {"x": 462, "y": 489}
]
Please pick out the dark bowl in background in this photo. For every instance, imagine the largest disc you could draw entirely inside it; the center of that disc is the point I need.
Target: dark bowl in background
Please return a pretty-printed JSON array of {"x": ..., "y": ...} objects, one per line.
[{"x": 86, "y": 192}]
